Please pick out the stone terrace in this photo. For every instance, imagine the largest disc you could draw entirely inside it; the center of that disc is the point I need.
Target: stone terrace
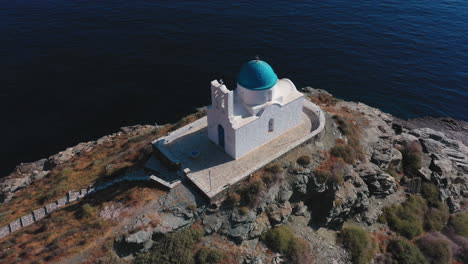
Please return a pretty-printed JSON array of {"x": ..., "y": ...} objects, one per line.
[{"x": 213, "y": 170}]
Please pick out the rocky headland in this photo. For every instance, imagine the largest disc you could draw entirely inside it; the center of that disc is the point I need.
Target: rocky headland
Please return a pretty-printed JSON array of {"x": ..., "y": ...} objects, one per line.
[{"x": 358, "y": 177}]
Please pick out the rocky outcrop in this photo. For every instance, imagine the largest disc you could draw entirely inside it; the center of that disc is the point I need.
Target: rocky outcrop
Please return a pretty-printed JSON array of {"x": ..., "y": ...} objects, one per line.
[
  {"x": 448, "y": 166},
  {"x": 26, "y": 173},
  {"x": 379, "y": 183},
  {"x": 351, "y": 198},
  {"x": 22, "y": 176},
  {"x": 453, "y": 129}
]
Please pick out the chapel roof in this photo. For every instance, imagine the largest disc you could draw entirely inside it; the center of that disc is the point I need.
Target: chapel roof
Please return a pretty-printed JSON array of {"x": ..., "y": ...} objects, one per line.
[{"x": 257, "y": 75}]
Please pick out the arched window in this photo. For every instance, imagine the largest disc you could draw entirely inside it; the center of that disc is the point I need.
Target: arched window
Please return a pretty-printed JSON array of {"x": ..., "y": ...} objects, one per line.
[{"x": 271, "y": 125}]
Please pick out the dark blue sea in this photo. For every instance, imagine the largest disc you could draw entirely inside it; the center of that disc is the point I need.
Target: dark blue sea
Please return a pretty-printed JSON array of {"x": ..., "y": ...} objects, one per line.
[{"x": 72, "y": 71}]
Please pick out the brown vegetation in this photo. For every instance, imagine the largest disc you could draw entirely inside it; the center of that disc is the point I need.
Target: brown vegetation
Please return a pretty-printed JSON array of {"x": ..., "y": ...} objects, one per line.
[
  {"x": 103, "y": 162},
  {"x": 331, "y": 170},
  {"x": 75, "y": 228},
  {"x": 324, "y": 99},
  {"x": 251, "y": 191},
  {"x": 352, "y": 149},
  {"x": 281, "y": 239}
]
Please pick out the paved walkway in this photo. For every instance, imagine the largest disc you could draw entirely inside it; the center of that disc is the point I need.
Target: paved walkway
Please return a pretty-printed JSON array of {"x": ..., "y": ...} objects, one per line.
[{"x": 214, "y": 171}]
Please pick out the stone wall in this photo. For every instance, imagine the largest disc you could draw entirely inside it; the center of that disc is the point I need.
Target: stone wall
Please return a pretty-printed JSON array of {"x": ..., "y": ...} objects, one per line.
[
  {"x": 71, "y": 196},
  {"x": 40, "y": 213}
]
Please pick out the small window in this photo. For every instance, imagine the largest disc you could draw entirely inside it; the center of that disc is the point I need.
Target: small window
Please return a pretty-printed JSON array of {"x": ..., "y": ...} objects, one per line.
[{"x": 271, "y": 125}]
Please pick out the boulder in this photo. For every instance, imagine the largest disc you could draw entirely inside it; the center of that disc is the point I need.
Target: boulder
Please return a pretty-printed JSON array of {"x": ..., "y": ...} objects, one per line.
[
  {"x": 395, "y": 162},
  {"x": 211, "y": 223},
  {"x": 239, "y": 226},
  {"x": 379, "y": 183},
  {"x": 277, "y": 213},
  {"x": 448, "y": 159},
  {"x": 425, "y": 174},
  {"x": 351, "y": 198},
  {"x": 261, "y": 225},
  {"x": 382, "y": 153}
]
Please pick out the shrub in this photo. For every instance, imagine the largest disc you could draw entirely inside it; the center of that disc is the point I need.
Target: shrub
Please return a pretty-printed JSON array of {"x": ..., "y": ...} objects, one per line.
[
  {"x": 202, "y": 255},
  {"x": 332, "y": 171},
  {"x": 459, "y": 245},
  {"x": 281, "y": 239},
  {"x": 197, "y": 232},
  {"x": 406, "y": 219},
  {"x": 358, "y": 244},
  {"x": 252, "y": 191},
  {"x": 322, "y": 176},
  {"x": 343, "y": 125},
  {"x": 404, "y": 252},
  {"x": 278, "y": 239},
  {"x": 435, "y": 249},
  {"x": 206, "y": 255},
  {"x": 303, "y": 160},
  {"x": 244, "y": 210},
  {"x": 337, "y": 171},
  {"x": 175, "y": 247},
  {"x": 232, "y": 199},
  {"x": 459, "y": 223},
  {"x": 275, "y": 168},
  {"x": 299, "y": 251},
  {"x": 343, "y": 151},
  {"x": 430, "y": 192},
  {"x": 412, "y": 158},
  {"x": 436, "y": 218}
]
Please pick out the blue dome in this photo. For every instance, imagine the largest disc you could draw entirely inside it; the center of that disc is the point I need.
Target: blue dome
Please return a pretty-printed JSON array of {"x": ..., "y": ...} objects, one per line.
[{"x": 257, "y": 75}]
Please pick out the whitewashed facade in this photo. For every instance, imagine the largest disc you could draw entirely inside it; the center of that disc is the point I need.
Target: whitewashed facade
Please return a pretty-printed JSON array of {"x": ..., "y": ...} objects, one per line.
[{"x": 244, "y": 119}]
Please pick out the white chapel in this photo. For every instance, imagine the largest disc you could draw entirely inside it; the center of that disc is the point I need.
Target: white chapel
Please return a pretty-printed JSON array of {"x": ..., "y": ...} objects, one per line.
[{"x": 261, "y": 108}]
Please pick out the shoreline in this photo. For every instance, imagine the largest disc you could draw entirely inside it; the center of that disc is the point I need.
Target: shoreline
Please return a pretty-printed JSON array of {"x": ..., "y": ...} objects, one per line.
[{"x": 453, "y": 128}]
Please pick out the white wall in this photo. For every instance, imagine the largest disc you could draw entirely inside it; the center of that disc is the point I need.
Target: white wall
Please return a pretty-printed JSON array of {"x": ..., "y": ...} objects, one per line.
[
  {"x": 254, "y": 97},
  {"x": 215, "y": 117},
  {"x": 255, "y": 134}
]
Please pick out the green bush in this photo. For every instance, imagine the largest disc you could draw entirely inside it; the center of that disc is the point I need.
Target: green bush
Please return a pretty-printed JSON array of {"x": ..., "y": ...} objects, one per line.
[
  {"x": 435, "y": 249},
  {"x": 459, "y": 223},
  {"x": 406, "y": 219},
  {"x": 404, "y": 252},
  {"x": 412, "y": 158},
  {"x": 303, "y": 160},
  {"x": 278, "y": 239},
  {"x": 282, "y": 240},
  {"x": 436, "y": 218},
  {"x": 175, "y": 247},
  {"x": 358, "y": 244},
  {"x": 345, "y": 152},
  {"x": 300, "y": 252},
  {"x": 209, "y": 256},
  {"x": 430, "y": 192}
]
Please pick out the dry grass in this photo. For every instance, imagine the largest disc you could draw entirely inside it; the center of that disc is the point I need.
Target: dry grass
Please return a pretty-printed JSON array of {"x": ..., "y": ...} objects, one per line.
[
  {"x": 351, "y": 149},
  {"x": 324, "y": 100},
  {"x": 75, "y": 228},
  {"x": 331, "y": 170},
  {"x": 102, "y": 163},
  {"x": 251, "y": 191}
]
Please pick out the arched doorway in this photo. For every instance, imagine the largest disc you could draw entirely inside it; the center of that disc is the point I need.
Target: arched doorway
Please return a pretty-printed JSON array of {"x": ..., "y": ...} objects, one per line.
[{"x": 221, "y": 136}]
